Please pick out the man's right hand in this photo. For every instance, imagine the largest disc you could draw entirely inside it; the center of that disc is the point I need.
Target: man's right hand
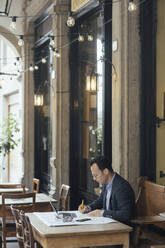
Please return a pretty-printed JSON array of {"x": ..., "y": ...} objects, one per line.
[{"x": 83, "y": 210}]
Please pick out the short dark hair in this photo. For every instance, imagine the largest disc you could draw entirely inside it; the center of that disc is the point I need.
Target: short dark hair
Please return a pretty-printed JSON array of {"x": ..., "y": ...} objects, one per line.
[{"x": 102, "y": 162}]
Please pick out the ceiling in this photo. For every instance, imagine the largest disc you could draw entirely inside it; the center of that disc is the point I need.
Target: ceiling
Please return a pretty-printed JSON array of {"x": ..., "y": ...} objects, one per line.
[
  {"x": 5, "y": 7},
  {"x": 12, "y": 7}
]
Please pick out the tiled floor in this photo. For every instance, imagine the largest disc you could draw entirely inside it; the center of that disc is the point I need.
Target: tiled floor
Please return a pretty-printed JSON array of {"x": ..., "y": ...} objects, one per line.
[
  {"x": 15, "y": 245},
  {"x": 12, "y": 245},
  {"x": 144, "y": 244}
]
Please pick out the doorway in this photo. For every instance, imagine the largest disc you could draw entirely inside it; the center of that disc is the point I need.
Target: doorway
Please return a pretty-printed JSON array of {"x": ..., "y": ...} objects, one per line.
[
  {"x": 11, "y": 170},
  {"x": 15, "y": 171},
  {"x": 160, "y": 94}
]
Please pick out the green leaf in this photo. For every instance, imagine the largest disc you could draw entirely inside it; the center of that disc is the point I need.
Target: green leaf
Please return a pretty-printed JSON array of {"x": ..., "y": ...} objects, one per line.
[{"x": 8, "y": 140}]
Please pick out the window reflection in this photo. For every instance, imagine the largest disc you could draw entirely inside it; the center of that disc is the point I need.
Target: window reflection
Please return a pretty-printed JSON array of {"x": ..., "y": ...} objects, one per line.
[{"x": 91, "y": 100}]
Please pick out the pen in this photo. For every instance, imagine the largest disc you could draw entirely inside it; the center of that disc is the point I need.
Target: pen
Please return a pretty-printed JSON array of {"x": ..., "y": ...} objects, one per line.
[
  {"x": 82, "y": 220},
  {"x": 82, "y": 204}
]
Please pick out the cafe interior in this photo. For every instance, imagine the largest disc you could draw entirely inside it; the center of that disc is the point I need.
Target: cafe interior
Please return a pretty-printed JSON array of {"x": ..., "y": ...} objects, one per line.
[{"x": 80, "y": 79}]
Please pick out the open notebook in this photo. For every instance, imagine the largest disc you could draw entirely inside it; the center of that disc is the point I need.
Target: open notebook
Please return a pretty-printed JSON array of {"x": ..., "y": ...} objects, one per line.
[{"x": 51, "y": 219}]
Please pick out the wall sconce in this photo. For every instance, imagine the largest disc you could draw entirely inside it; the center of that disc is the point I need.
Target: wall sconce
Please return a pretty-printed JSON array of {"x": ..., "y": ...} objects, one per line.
[
  {"x": 91, "y": 75},
  {"x": 91, "y": 82},
  {"x": 39, "y": 96},
  {"x": 38, "y": 99}
]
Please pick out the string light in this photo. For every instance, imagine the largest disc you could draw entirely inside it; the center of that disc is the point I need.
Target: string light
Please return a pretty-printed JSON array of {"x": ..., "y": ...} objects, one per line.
[
  {"x": 131, "y": 6},
  {"x": 31, "y": 68},
  {"x": 56, "y": 53},
  {"x": 36, "y": 67},
  {"x": 70, "y": 21},
  {"x": 21, "y": 41},
  {"x": 52, "y": 43},
  {"x": 13, "y": 23},
  {"x": 43, "y": 60}
]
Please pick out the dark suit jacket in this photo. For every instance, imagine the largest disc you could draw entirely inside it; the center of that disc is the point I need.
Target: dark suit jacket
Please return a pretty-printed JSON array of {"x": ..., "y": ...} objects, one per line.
[{"x": 122, "y": 201}]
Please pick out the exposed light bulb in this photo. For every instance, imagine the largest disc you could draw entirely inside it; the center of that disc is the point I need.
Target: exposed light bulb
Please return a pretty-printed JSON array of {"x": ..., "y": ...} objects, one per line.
[
  {"x": 56, "y": 53},
  {"x": 80, "y": 38},
  {"x": 70, "y": 22},
  {"x": 90, "y": 37},
  {"x": 21, "y": 41},
  {"x": 36, "y": 67},
  {"x": 53, "y": 74},
  {"x": 52, "y": 43},
  {"x": 43, "y": 60},
  {"x": 31, "y": 68},
  {"x": 13, "y": 23},
  {"x": 131, "y": 6}
]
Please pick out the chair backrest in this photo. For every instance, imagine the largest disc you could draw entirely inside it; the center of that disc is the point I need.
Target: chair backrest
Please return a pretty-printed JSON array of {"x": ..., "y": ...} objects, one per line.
[
  {"x": 64, "y": 197},
  {"x": 25, "y": 202},
  {"x": 9, "y": 186},
  {"x": 35, "y": 185},
  {"x": 19, "y": 232},
  {"x": 28, "y": 238},
  {"x": 151, "y": 200}
]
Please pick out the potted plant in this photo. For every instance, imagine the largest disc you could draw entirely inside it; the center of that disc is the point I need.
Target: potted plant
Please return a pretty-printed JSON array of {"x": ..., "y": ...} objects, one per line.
[{"x": 8, "y": 139}]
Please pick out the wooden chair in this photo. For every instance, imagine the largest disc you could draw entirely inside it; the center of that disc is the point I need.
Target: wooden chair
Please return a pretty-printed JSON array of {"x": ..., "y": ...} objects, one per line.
[
  {"x": 35, "y": 185},
  {"x": 9, "y": 186},
  {"x": 64, "y": 197},
  {"x": 28, "y": 238},
  {"x": 9, "y": 229},
  {"x": 19, "y": 232},
  {"x": 150, "y": 202}
]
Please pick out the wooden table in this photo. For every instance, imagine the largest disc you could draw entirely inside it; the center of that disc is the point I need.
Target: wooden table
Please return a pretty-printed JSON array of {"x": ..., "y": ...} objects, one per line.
[
  {"x": 17, "y": 190},
  {"x": 42, "y": 202},
  {"x": 80, "y": 236}
]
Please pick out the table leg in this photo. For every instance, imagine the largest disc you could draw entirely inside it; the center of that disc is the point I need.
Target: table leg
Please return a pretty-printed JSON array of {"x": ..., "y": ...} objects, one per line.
[
  {"x": 0, "y": 241},
  {"x": 126, "y": 241},
  {"x": 136, "y": 235}
]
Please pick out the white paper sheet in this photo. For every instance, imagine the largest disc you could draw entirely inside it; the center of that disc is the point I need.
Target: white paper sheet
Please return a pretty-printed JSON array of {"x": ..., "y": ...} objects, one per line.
[
  {"x": 50, "y": 219},
  {"x": 162, "y": 214}
]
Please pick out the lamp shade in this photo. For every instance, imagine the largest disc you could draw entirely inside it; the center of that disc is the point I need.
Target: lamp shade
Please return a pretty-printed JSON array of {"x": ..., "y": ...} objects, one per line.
[
  {"x": 38, "y": 100},
  {"x": 91, "y": 83}
]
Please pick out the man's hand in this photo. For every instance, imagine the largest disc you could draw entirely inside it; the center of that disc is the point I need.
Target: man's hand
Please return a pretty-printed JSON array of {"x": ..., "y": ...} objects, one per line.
[
  {"x": 83, "y": 210},
  {"x": 96, "y": 212}
]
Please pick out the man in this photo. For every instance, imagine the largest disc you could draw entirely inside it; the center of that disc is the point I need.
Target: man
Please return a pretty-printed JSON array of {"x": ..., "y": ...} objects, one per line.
[{"x": 117, "y": 199}]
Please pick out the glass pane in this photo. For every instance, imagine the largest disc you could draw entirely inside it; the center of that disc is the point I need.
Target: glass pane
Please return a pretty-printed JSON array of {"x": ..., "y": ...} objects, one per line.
[
  {"x": 91, "y": 97},
  {"x": 43, "y": 116}
]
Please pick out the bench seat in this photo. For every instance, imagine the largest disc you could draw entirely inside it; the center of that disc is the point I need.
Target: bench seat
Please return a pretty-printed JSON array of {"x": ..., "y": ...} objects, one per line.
[{"x": 149, "y": 204}]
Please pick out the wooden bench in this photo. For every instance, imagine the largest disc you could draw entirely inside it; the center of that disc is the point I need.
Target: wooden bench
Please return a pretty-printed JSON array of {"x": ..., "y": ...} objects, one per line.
[
  {"x": 158, "y": 246},
  {"x": 149, "y": 204}
]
